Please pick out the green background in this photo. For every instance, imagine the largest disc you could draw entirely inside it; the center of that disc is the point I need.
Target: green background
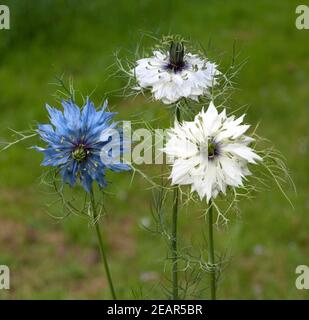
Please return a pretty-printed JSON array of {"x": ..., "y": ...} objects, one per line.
[{"x": 50, "y": 259}]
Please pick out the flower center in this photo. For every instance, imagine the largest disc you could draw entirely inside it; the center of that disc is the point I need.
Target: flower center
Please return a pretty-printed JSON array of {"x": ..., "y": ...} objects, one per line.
[
  {"x": 176, "y": 57},
  {"x": 213, "y": 150},
  {"x": 79, "y": 153}
]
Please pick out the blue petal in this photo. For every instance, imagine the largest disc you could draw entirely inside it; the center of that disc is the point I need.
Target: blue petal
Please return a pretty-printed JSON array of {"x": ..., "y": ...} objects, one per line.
[
  {"x": 56, "y": 118},
  {"x": 88, "y": 115},
  {"x": 72, "y": 115},
  {"x": 86, "y": 181},
  {"x": 68, "y": 176}
]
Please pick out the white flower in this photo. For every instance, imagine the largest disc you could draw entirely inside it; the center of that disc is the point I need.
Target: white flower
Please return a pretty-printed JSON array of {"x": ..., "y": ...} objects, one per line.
[
  {"x": 210, "y": 153},
  {"x": 175, "y": 74}
]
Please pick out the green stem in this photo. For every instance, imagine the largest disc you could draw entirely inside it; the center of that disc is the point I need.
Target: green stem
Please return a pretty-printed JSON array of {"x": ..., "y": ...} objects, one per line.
[
  {"x": 211, "y": 253},
  {"x": 102, "y": 251},
  {"x": 174, "y": 245},
  {"x": 174, "y": 232}
]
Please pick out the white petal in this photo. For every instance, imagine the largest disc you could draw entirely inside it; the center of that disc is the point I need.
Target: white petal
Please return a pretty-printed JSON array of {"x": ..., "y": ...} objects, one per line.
[{"x": 242, "y": 151}]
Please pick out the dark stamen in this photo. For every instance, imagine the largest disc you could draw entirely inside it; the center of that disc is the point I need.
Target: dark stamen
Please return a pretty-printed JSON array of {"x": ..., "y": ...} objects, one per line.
[{"x": 176, "y": 57}]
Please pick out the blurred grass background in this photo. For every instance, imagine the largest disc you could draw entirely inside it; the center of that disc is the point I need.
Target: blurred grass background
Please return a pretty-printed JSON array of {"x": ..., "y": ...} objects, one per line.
[{"x": 59, "y": 260}]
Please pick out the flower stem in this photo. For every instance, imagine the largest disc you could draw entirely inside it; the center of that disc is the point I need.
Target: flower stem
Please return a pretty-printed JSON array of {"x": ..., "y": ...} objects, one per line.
[
  {"x": 174, "y": 232},
  {"x": 102, "y": 251},
  {"x": 211, "y": 253},
  {"x": 174, "y": 245}
]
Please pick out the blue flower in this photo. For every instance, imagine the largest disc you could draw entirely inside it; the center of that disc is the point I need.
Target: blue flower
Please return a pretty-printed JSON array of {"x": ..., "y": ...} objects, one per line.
[{"x": 75, "y": 139}]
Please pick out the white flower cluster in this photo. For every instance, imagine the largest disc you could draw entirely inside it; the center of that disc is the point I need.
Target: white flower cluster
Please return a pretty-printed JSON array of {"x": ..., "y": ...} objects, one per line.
[{"x": 212, "y": 152}]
